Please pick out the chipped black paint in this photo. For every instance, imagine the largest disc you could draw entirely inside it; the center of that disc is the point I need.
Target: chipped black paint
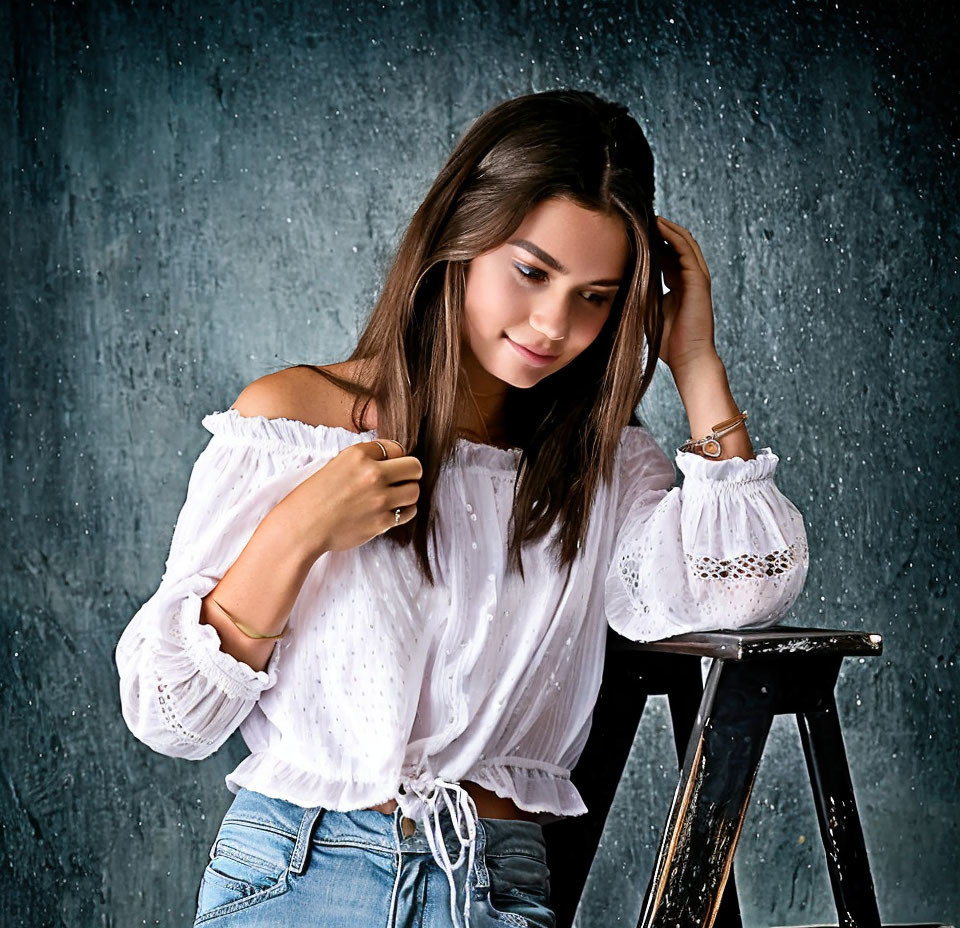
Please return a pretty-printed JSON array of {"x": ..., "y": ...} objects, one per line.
[
  {"x": 741, "y": 644},
  {"x": 741, "y": 696}
]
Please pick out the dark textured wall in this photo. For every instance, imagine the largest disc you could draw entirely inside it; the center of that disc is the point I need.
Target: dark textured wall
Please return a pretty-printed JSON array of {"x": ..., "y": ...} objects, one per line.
[{"x": 197, "y": 194}]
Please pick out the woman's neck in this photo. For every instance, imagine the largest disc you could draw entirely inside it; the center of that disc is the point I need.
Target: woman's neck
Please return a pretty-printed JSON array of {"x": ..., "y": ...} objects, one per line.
[{"x": 481, "y": 396}]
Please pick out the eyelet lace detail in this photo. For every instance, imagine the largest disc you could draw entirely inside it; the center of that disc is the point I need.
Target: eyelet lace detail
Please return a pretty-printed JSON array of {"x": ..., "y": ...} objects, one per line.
[
  {"x": 747, "y": 566},
  {"x": 172, "y": 720}
]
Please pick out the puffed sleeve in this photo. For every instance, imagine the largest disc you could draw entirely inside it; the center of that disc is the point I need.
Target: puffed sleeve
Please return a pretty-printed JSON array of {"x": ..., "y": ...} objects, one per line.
[
  {"x": 179, "y": 693},
  {"x": 725, "y": 550}
]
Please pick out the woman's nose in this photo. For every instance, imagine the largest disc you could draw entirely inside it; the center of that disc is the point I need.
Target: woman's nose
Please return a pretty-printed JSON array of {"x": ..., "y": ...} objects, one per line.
[{"x": 551, "y": 319}]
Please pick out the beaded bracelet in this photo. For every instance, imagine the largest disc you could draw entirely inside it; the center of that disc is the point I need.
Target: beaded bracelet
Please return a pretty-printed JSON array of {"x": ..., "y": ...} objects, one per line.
[
  {"x": 249, "y": 632},
  {"x": 710, "y": 445}
]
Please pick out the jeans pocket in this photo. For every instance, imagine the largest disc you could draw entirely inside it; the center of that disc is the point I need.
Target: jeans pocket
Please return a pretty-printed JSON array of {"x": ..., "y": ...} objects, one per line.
[
  {"x": 520, "y": 890},
  {"x": 249, "y": 864}
]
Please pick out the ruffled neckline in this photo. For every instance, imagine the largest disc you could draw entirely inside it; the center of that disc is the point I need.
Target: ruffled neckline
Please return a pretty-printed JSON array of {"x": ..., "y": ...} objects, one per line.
[{"x": 305, "y": 437}]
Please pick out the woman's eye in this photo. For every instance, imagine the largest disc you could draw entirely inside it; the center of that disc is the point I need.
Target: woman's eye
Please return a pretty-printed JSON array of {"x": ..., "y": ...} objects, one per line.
[
  {"x": 597, "y": 298},
  {"x": 535, "y": 274},
  {"x": 530, "y": 273}
]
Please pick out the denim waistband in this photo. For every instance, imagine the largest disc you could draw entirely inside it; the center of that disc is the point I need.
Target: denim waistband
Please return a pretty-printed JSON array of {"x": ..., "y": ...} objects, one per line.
[{"x": 378, "y": 830}]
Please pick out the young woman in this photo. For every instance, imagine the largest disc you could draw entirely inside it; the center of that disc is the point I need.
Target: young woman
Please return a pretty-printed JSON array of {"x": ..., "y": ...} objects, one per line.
[{"x": 394, "y": 574}]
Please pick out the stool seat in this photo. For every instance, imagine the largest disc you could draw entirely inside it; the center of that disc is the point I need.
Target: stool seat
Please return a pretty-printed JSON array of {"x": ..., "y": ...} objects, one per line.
[{"x": 742, "y": 644}]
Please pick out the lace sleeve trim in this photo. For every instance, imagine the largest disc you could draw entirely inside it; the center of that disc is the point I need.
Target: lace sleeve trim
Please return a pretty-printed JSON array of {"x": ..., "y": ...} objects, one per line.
[
  {"x": 172, "y": 720},
  {"x": 748, "y": 566}
]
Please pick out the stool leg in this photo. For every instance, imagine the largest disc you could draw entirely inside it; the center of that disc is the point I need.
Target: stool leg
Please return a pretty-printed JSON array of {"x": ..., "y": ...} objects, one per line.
[
  {"x": 686, "y": 694},
  {"x": 696, "y": 852},
  {"x": 840, "y": 827}
]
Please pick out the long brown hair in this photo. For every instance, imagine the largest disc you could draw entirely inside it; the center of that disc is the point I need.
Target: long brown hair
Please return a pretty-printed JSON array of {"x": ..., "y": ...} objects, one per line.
[{"x": 559, "y": 143}]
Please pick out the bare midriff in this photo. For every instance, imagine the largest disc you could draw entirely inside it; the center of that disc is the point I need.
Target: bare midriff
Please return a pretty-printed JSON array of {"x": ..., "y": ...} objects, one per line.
[{"x": 488, "y": 803}]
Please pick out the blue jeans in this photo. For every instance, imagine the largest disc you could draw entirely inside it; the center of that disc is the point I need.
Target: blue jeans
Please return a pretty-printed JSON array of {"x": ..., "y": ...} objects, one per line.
[{"x": 277, "y": 863}]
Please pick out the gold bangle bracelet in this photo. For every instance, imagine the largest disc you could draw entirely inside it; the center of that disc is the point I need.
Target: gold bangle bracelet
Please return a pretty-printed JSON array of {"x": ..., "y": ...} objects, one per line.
[{"x": 249, "y": 632}]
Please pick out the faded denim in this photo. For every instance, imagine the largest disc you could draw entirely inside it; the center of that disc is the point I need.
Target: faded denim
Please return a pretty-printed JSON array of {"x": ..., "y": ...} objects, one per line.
[{"x": 277, "y": 863}]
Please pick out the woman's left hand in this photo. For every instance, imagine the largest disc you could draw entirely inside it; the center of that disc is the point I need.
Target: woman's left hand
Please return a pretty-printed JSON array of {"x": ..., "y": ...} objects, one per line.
[{"x": 688, "y": 307}]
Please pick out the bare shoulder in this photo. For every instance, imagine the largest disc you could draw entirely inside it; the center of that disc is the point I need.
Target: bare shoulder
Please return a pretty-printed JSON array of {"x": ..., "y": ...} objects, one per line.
[{"x": 303, "y": 394}]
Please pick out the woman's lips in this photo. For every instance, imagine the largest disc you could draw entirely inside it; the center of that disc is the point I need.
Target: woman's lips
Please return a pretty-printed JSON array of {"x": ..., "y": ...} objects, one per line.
[{"x": 529, "y": 356}]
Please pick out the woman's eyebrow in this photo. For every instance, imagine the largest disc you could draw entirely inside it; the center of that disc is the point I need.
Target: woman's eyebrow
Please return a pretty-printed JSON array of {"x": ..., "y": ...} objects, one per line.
[{"x": 550, "y": 261}]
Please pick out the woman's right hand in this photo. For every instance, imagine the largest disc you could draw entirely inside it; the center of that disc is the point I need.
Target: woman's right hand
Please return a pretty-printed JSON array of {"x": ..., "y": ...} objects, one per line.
[{"x": 352, "y": 498}]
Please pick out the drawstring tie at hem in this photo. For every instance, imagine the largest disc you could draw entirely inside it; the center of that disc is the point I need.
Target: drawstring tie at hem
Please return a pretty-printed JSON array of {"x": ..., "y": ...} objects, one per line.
[{"x": 463, "y": 812}]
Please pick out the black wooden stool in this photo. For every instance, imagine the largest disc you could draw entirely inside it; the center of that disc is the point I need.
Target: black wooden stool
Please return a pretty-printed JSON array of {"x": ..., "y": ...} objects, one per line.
[{"x": 720, "y": 730}]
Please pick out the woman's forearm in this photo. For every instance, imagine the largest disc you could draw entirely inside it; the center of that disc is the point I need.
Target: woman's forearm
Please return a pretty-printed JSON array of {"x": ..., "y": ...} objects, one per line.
[
  {"x": 706, "y": 396},
  {"x": 259, "y": 589}
]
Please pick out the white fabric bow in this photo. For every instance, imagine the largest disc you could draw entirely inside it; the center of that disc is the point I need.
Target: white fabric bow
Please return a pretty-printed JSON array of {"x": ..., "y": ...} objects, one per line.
[{"x": 463, "y": 811}]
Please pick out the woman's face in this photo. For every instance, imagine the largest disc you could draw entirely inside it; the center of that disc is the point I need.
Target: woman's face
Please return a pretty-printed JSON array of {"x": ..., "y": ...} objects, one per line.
[{"x": 549, "y": 287}]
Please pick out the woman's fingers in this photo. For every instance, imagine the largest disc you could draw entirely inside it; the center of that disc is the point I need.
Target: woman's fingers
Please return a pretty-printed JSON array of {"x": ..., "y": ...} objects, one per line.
[
  {"x": 377, "y": 448},
  {"x": 678, "y": 235}
]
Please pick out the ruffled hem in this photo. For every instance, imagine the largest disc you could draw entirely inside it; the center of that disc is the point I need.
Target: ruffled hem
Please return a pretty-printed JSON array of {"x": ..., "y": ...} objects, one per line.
[
  {"x": 271, "y": 775},
  {"x": 729, "y": 470},
  {"x": 292, "y": 435},
  {"x": 281, "y": 433},
  {"x": 474, "y": 454},
  {"x": 201, "y": 646},
  {"x": 546, "y": 790}
]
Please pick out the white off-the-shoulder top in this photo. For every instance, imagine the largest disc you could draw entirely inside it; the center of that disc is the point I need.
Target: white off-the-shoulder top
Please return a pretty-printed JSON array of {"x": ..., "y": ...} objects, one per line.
[{"x": 385, "y": 687}]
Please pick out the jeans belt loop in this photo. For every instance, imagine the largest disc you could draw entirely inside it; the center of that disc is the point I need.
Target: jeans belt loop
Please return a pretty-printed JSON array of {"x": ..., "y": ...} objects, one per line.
[{"x": 298, "y": 860}]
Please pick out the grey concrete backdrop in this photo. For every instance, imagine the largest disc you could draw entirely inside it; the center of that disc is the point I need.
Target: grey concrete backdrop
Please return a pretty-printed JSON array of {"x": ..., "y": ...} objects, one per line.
[{"x": 199, "y": 193}]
